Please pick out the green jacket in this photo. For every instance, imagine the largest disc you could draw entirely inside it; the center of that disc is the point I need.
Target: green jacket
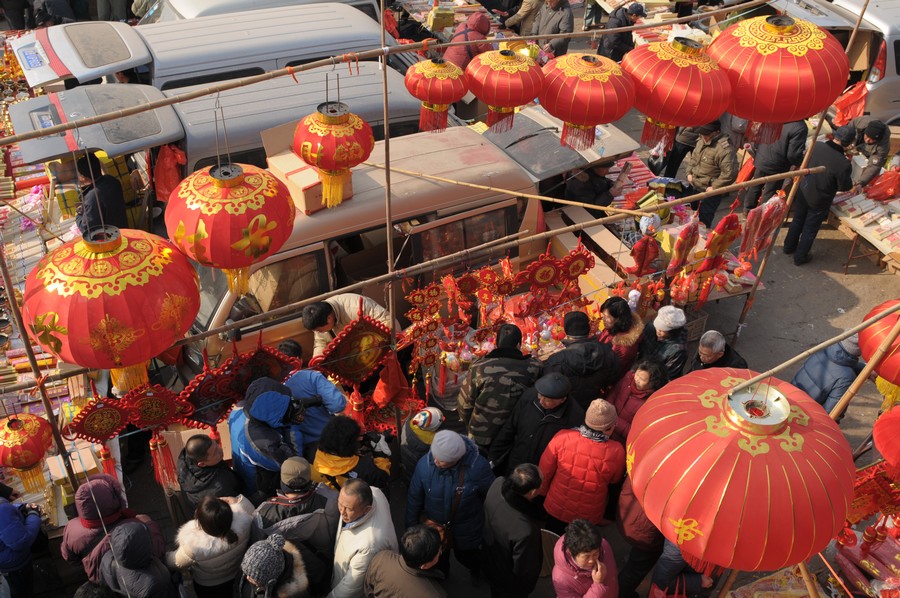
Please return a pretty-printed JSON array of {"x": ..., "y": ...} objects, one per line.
[{"x": 713, "y": 164}]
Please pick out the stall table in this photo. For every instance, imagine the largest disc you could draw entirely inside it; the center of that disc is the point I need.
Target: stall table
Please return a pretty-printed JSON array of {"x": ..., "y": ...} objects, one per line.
[
  {"x": 418, "y": 10},
  {"x": 864, "y": 234}
]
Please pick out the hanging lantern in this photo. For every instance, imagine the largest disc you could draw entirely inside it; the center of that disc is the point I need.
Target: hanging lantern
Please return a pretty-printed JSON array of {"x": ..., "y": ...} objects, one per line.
[
  {"x": 24, "y": 439},
  {"x": 755, "y": 481},
  {"x": 676, "y": 85},
  {"x": 872, "y": 336},
  {"x": 333, "y": 140},
  {"x": 111, "y": 300},
  {"x": 230, "y": 217},
  {"x": 585, "y": 90},
  {"x": 504, "y": 79},
  {"x": 437, "y": 83},
  {"x": 886, "y": 434},
  {"x": 781, "y": 69}
]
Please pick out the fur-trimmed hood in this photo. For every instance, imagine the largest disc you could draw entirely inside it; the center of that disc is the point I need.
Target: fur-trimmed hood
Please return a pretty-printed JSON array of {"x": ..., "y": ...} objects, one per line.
[
  {"x": 630, "y": 336},
  {"x": 201, "y": 546}
]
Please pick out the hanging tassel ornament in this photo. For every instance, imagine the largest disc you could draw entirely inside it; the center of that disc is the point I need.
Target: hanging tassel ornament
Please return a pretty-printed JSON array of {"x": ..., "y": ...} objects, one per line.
[
  {"x": 656, "y": 132},
  {"x": 129, "y": 377},
  {"x": 238, "y": 280},
  {"x": 107, "y": 460},
  {"x": 163, "y": 464},
  {"x": 358, "y": 408},
  {"x": 891, "y": 393}
]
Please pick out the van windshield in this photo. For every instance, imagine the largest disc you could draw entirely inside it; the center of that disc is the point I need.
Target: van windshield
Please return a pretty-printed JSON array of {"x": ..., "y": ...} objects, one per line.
[
  {"x": 161, "y": 12},
  {"x": 213, "y": 286}
]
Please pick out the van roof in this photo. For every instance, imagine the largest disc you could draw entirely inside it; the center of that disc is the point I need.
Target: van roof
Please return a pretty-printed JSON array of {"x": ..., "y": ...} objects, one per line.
[
  {"x": 458, "y": 153},
  {"x": 193, "y": 9},
  {"x": 255, "y": 36},
  {"x": 820, "y": 13},
  {"x": 249, "y": 110},
  {"x": 883, "y": 14}
]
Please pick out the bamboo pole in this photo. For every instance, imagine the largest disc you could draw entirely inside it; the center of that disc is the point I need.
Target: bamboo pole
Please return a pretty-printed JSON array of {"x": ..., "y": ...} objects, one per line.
[
  {"x": 873, "y": 363},
  {"x": 729, "y": 583},
  {"x": 808, "y": 579},
  {"x": 32, "y": 361}
]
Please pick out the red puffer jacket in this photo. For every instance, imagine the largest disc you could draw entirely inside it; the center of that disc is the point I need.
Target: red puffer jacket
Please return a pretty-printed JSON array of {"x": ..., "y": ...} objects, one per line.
[
  {"x": 578, "y": 470},
  {"x": 627, "y": 400}
]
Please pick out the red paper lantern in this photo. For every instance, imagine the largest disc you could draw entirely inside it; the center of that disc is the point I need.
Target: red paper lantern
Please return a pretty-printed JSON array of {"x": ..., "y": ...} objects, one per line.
[
  {"x": 755, "y": 481},
  {"x": 333, "y": 140},
  {"x": 504, "y": 79},
  {"x": 24, "y": 439},
  {"x": 872, "y": 336},
  {"x": 230, "y": 217},
  {"x": 113, "y": 302},
  {"x": 886, "y": 434},
  {"x": 781, "y": 69},
  {"x": 585, "y": 90},
  {"x": 676, "y": 85},
  {"x": 437, "y": 83}
]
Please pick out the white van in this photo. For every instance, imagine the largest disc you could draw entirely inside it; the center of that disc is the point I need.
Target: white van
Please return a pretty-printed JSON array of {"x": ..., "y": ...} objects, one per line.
[
  {"x": 178, "y": 10},
  {"x": 200, "y": 51}
]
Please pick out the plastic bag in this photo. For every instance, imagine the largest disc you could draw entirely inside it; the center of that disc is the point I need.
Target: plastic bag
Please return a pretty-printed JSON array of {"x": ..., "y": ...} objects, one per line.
[
  {"x": 657, "y": 161},
  {"x": 850, "y": 104},
  {"x": 884, "y": 187},
  {"x": 392, "y": 385},
  {"x": 167, "y": 171}
]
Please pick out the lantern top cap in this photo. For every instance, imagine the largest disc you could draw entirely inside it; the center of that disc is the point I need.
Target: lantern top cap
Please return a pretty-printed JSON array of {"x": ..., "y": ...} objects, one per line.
[
  {"x": 687, "y": 45},
  {"x": 759, "y": 408},
  {"x": 590, "y": 59},
  {"x": 14, "y": 423},
  {"x": 227, "y": 175},
  {"x": 103, "y": 239},
  {"x": 333, "y": 113},
  {"x": 780, "y": 24},
  {"x": 507, "y": 54}
]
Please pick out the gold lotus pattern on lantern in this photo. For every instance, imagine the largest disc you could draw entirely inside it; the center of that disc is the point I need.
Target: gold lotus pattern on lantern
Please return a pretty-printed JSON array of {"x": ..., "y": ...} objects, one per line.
[
  {"x": 195, "y": 241},
  {"x": 325, "y": 127},
  {"x": 200, "y": 191},
  {"x": 438, "y": 70},
  {"x": 798, "y": 40},
  {"x": 76, "y": 269},
  {"x": 510, "y": 63},
  {"x": 44, "y": 328},
  {"x": 112, "y": 337},
  {"x": 588, "y": 67},
  {"x": 669, "y": 51}
]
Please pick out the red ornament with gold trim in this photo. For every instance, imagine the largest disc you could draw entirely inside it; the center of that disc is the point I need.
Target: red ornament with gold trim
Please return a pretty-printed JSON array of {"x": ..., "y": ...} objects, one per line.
[
  {"x": 112, "y": 300},
  {"x": 781, "y": 69},
  {"x": 230, "y": 217},
  {"x": 585, "y": 90},
  {"x": 504, "y": 79},
  {"x": 754, "y": 481},
  {"x": 333, "y": 140},
  {"x": 676, "y": 85},
  {"x": 437, "y": 83},
  {"x": 24, "y": 438},
  {"x": 872, "y": 336}
]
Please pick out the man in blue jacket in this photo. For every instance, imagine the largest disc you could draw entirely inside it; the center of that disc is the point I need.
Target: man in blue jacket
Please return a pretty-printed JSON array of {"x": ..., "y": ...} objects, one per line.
[
  {"x": 825, "y": 376},
  {"x": 304, "y": 385},
  {"x": 19, "y": 528}
]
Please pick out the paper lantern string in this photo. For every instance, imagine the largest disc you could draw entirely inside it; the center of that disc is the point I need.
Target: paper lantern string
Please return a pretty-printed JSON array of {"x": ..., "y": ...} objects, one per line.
[
  {"x": 292, "y": 73},
  {"x": 349, "y": 58}
]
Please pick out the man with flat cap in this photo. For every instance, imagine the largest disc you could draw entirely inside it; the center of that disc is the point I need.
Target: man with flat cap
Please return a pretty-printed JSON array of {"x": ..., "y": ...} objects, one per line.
[
  {"x": 540, "y": 413},
  {"x": 873, "y": 140}
]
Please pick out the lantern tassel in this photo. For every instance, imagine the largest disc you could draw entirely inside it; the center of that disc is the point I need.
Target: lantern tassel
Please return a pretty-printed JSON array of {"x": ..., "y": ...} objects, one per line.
[
  {"x": 500, "y": 118},
  {"x": 577, "y": 137},
  {"x": 129, "y": 377},
  {"x": 891, "y": 393},
  {"x": 163, "y": 464},
  {"x": 332, "y": 187},
  {"x": 433, "y": 117},
  {"x": 107, "y": 460},
  {"x": 655, "y": 131},
  {"x": 760, "y": 133},
  {"x": 700, "y": 566},
  {"x": 238, "y": 280},
  {"x": 358, "y": 408},
  {"x": 33, "y": 478}
]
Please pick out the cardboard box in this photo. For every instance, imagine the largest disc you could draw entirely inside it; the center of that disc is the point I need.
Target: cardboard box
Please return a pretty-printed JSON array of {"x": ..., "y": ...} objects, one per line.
[
  {"x": 895, "y": 139},
  {"x": 84, "y": 464}
]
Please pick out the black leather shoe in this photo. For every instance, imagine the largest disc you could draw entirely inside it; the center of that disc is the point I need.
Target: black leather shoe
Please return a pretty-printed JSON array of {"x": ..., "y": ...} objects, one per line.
[
  {"x": 786, "y": 252},
  {"x": 799, "y": 261}
]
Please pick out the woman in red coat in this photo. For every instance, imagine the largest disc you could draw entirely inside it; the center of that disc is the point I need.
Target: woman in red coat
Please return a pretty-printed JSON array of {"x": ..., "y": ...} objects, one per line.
[
  {"x": 621, "y": 330},
  {"x": 629, "y": 394},
  {"x": 578, "y": 467},
  {"x": 475, "y": 28}
]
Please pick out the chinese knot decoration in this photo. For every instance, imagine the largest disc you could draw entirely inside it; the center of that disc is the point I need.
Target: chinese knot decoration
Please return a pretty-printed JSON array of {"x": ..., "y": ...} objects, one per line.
[
  {"x": 230, "y": 217},
  {"x": 437, "y": 83},
  {"x": 112, "y": 304},
  {"x": 781, "y": 70},
  {"x": 24, "y": 439},
  {"x": 676, "y": 85},
  {"x": 584, "y": 90},
  {"x": 504, "y": 80},
  {"x": 333, "y": 140}
]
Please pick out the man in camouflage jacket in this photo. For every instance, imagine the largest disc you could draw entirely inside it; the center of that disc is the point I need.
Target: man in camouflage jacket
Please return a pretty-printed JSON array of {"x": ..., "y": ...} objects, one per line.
[{"x": 492, "y": 386}]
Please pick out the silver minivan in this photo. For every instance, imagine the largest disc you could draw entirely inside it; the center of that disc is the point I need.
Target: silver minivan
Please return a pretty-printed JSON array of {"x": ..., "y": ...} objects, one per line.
[{"x": 178, "y": 10}]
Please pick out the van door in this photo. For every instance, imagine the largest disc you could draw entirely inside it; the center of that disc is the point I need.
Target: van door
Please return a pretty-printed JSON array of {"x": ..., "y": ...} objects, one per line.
[{"x": 84, "y": 51}]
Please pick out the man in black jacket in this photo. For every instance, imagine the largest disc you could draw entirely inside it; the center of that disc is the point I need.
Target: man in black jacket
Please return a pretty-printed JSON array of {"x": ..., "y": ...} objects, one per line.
[
  {"x": 540, "y": 413},
  {"x": 103, "y": 201},
  {"x": 202, "y": 471},
  {"x": 817, "y": 191},
  {"x": 777, "y": 157},
  {"x": 873, "y": 140},
  {"x": 714, "y": 352},
  {"x": 512, "y": 552},
  {"x": 615, "y": 45}
]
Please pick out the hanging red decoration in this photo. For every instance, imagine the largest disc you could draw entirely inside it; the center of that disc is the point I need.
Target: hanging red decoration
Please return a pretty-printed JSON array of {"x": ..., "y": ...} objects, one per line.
[
  {"x": 768, "y": 456},
  {"x": 645, "y": 252},
  {"x": 333, "y": 140},
  {"x": 262, "y": 362},
  {"x": 719, "y": 240},
  {"x": 437, "y": 83},
  {"x": 100, "y": 420},
  {"x": 230, "y": 217},
  {"x": 676, "y": 85},
  {"x": 112, "y": 301},
  {"x": 761, "y": 222},
  {"x": 872, "y": 336},
  {"x": 781, "y": 69},
  {"x": 163, "y": 463},
  {"x": 585, "y": 90},
  {"x": 684, "y": 243},
  {"x": 886, "y": 434},
  {"x": 24, "y": 439},
  {"x": 504, "y": 80},
  {"x": 212, "y": 394},
  {"x": 155, "y": 406}
]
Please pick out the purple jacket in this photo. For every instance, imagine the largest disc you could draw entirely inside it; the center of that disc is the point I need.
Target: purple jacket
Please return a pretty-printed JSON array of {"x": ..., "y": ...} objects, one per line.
[{"x": 571, "y": 581}]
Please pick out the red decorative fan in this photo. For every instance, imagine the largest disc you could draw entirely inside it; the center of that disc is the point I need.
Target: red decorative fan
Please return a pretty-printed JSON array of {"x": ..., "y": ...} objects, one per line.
[
  {"x": 357, "y": 351},
  {"x": 154, "y": 406},
  {"x": 100, "y": 420},
  {"x": 212, "y": 395}
]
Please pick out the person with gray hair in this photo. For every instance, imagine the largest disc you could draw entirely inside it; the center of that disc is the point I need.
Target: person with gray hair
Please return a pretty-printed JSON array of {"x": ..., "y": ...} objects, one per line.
[
  {"x": 714, "y": 352},
  {"x": 825, "y": 376}
]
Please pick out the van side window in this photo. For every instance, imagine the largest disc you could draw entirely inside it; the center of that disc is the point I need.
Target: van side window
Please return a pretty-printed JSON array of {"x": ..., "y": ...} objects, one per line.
[
  {"x": 289, "y": 280},
  {"x": 212, "y": 78},
  {"x": 369, "y": 9},
  {"x": 897, "y": 56},
  {"x": 255, "y": 157}
]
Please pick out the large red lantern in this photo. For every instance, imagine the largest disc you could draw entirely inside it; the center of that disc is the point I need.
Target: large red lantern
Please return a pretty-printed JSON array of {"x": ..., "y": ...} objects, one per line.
[
  {"x": 676, "y": 85},
  {"x": 781, "y": 69},
  {"x": 872, "y": 336},
  {"x": 504, "y": 79},
  {"x": 437, "y": 83},
  {"x": 24, "y": 439},
  {"x": 333, "y": 140},
  {"x": 755, "y": 481},
  {"x": 112, "y": 303},
  {"x": 585, "y": 90},
  {"x": 230, "y": 217},
  {"x": 886, "y": 434}
]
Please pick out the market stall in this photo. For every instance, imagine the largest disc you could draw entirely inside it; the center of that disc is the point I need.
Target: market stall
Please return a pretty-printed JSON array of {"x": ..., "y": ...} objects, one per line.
[{"x": 871, "y": 220}]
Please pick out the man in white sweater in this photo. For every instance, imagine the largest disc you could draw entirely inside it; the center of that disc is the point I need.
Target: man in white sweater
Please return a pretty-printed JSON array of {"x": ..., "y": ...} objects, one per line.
[{"x": 365, "y": 529}]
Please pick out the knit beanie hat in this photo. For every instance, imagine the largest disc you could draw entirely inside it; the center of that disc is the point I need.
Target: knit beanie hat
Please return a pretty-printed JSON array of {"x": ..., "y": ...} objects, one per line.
[
  {"x": 669, "y": 318},
  {"x": 600, "y": 415},
  {"x": 876, "y": 130},
  {"x": 264, "y": 562},
  {"x": 851, "y": 345},
  {"x": 576, "y": 324},
  {"x": 448, "y": 446},
  {"x": 428, "y": 419},
  {"x": 844, "y": 135}
]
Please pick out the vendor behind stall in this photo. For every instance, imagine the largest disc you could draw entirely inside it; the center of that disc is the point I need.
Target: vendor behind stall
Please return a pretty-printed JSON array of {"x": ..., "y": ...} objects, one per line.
[
  {"x": 874, "y": 142},
  {"x": 711, "y": 165},
  {"x": 104, "y": 201},
  {"x": 591, "y": 185},
  {"x": 553, "y": 18},
  {"x": 474, "y": 29}
]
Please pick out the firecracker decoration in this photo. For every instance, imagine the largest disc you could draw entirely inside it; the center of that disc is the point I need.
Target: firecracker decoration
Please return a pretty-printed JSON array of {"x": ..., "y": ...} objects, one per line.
[
  {"x": 333, "y": 140},
  {"x": 211, "y": 393},
  {"x": 24, "y": 439},
  {"x": 719, "y": 240},
  {"x": 872, "y": 336},
  {"x": 644, "y": 253},
  {"x": 155, "y": 406},
  {"x": 100, "y": 420},
  {"x": 437, "y": 83},
  {"x": 503, "y": 80},
  {"x": 230, "y": 217},
  {"x": 762, "y": 222},
  {"x": 874, "y": 491},
  {"x": 163, "y": 463},
  {"x": 684, "y": 244}
]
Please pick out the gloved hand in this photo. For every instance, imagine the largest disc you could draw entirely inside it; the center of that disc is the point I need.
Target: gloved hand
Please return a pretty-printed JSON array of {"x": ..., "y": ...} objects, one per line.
[
  {"x": 377, "y": 443},
  {"x": 313, "y": 401}
]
